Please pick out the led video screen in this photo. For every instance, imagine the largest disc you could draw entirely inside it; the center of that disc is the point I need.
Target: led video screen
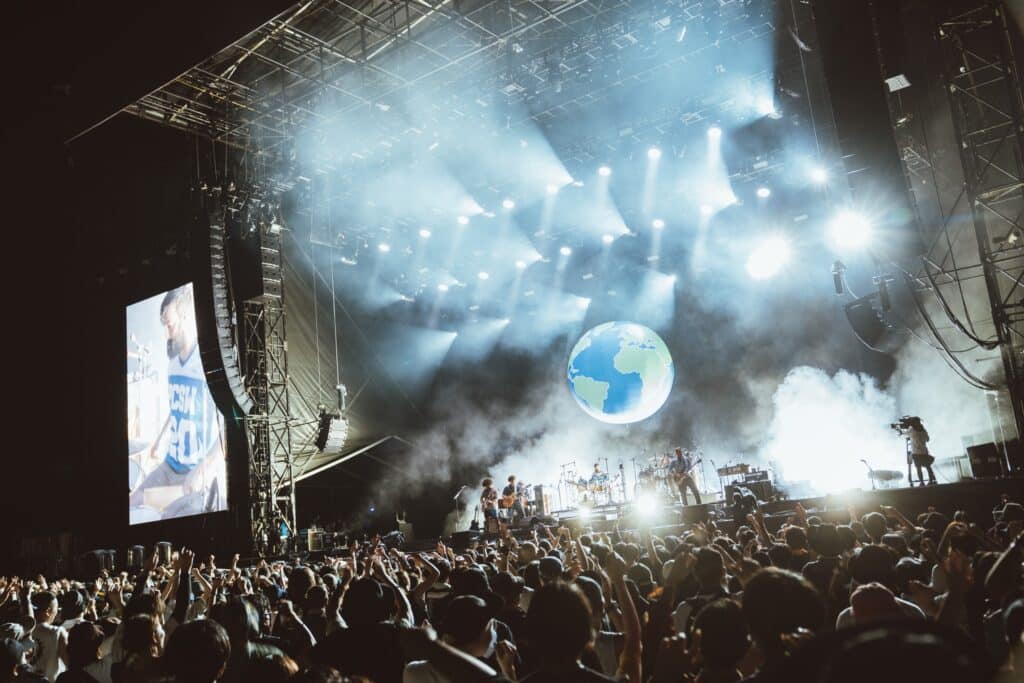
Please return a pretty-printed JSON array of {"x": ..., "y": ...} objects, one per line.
[{"x": 176, "y": 445}]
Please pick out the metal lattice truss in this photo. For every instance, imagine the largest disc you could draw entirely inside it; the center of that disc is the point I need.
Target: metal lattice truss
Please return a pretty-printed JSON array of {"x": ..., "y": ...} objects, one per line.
[
  {"x": 987, "y": 114},
  {"x": 271, "y": 471},
  {"x": 321, "y": 59}
]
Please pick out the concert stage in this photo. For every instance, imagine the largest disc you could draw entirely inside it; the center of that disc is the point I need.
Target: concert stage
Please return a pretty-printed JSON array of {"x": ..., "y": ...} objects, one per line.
[{"x": 975, "y": 496}]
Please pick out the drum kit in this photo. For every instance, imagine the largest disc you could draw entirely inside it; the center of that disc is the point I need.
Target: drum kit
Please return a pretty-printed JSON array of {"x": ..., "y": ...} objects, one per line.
[
  {"x": 654, "y": 476},
  {"x": 600, "y": 489}
]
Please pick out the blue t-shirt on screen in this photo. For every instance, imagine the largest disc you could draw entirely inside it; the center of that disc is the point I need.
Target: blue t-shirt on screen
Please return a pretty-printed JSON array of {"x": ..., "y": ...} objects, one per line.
[{"x": 192, "y": 421}]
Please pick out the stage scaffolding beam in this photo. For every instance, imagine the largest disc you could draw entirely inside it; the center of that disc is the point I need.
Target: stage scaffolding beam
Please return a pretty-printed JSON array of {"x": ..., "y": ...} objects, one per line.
[
  {"x": 983, "y": 85},
  {"x": 271, "y": 468}
]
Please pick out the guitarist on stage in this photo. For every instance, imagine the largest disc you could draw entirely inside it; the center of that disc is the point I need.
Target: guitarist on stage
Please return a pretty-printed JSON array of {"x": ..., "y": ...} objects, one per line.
[
  {"x": 682, "y": 474},
  {"x": 512, "y": 497}
]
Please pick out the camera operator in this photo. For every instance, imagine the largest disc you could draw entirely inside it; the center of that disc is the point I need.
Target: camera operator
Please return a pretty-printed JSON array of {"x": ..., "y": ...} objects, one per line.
[{"x": 917, "y": 436}]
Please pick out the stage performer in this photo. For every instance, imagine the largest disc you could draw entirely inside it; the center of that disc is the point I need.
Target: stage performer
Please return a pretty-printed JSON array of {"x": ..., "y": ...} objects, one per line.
[
  {"x": 193, "y": 457},
  {"x": 681, "y": 470},
  {"x": 513, "y": 495},
  {"x": 489, "y": 499}
]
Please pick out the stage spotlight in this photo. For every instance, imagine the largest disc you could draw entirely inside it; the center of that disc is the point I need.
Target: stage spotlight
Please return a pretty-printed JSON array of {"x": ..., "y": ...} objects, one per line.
[
  {"x": 714, "y": 132},
  {"x": 604, "y": 171},
  {"x": 463, "y": 220},
  {"x": 384, "y": 248},
  {"x": 771, "y": 256},
  {"x": 706, "y": 210},
  {"x": 424, "y": 233},
  {"x": 765, "y": 106},
  {"x": 850, "y": 230},
  {"x": 508, "y": 204},
  {"x": 607, "y": 239},
  {"x": 565, "y": 251},
  {"x": 764, "y": 192},
  {"x": 657, "y": 224},
  {"x": 585, "y": 512},
  {"x": 521, "y": 265},
  {"x": 646, "y": 505},
  {"x": 582, "y": 302},
  {"x": 483, "y": 275},
  {"x": 654, "y": 153},
  {"x": 442, "y": 287},
  {"x": 552, "y": 188},
  {"x": 819, "y": 175}
]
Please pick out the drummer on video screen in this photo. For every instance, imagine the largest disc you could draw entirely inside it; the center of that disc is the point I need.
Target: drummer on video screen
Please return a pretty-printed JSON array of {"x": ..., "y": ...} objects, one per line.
[{"x": 192, "y": 450}]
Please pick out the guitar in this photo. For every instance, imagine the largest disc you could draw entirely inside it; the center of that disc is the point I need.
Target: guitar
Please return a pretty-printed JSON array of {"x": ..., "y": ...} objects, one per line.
[
  {"x": 510, "y": 500},
  {"x": 677, "y": 477}
]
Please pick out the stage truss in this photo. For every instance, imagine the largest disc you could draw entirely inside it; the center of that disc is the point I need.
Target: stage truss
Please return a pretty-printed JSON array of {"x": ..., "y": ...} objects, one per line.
[{"x": 533, "y": 61}]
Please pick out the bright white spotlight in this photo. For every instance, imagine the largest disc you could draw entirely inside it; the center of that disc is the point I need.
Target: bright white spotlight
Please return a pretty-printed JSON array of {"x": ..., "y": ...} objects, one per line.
[
  {"x": 508, "y": 204},
  {"x": 654, "y": 153},
  {"x": 714, "y": 132},
  {"x": 565, "y": 251},
  {"x": 850, "y": 230},
  {"x": 463, "y": 220},
  {"x": 607, "y": 239},
  {"x": 384, "y": 248},
  {"x": 483, "y": 275},
  {"x": 819, "y": 175},
  {"x": 552, "y": 188},
  {"x": 442, "y": 287},
  {"x": 657, "y": 224},
  {"x": 706, "y": 210},
  {"x": 585, "y": 512},
  {"x": 764, "y": 192},
  {"x": 424, "y": 233},
  {"x": 582, "y": 302},
  {"x": 604, "y": 171},
  {"x": 521, "y": 265},
  {"x": 765, "y": 106},
  {"x": 771, "y": 256},
  {"x": 646, "y": 505}
]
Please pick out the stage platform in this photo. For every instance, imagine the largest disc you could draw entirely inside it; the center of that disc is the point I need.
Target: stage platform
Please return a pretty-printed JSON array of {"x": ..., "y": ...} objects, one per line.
[{"x": 976, "y": 497}]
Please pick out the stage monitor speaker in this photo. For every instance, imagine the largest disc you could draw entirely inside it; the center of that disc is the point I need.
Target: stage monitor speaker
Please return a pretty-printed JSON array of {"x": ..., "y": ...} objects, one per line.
[
  {"x": 985, "y": 460},
  {"x": 867, "y": 324},
  {"x": 540, "y": 497},
  {"x": 461, "y": 539}
]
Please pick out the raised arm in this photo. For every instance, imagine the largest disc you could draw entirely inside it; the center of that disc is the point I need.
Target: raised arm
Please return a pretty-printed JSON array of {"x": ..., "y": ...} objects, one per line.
[{"x": 630, "y": 661}]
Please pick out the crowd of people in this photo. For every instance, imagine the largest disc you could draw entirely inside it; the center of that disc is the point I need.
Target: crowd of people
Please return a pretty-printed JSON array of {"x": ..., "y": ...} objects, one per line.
[{"x": 878, "y": 598}]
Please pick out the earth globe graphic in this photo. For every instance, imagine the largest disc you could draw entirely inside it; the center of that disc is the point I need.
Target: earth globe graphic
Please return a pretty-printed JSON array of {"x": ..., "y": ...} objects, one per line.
[{"x": 620, "y": 372}]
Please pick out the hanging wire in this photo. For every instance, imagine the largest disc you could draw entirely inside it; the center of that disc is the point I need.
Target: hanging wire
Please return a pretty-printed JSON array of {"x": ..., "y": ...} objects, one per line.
[
  {"x": 950, "y": 359},
  {"x": 986, "y": 344}
]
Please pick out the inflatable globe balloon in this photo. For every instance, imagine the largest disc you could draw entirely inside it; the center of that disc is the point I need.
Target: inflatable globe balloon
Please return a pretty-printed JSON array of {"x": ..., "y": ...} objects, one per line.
[{"x": 620, "y": 372}]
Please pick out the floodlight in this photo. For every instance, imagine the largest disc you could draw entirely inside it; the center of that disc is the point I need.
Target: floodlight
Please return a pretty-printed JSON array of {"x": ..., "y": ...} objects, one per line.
[
  {"x": 819, "y": 175},
  {"x": 607, "y": 239},
  {"x": 714, "y": 132},
  {"x": 508, "y": 204},
  {"x": 657, "y": 224},
  {"x": 384, "y": 248},
  {"x": 463, "y": 220},
  {"x": 654, "y": 153},
  {"x": 850, "y": 230},
  {"x": 565, "y": 251},
  {"x": 604, "y": 171},
  {"x": 442, "y": 287},
  {"x": 424, "y": 233},
  {"x": 646, "y": 505},
  {"x": 520, "y": 264},
  {"x": 483, "y": 275},
  {"x": 764, "y": 192},
  {"x": 770, "y": 257}
]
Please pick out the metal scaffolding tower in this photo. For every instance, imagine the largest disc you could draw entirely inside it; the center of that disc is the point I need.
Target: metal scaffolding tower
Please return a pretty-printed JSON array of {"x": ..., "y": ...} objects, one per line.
[
  {"x": 271, "y": 471},
  {"x": 984, "y": 89}
]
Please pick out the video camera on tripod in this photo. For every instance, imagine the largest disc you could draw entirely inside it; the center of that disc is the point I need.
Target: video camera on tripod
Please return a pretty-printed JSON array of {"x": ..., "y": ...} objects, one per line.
[{"x": 906, "y": 422}]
